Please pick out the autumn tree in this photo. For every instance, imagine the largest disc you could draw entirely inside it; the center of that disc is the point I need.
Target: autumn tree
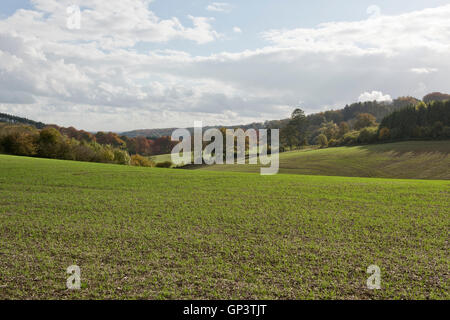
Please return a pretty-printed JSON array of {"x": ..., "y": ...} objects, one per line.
[
  {"x": 343, "y": 128},
  {"x": 322, "y": 140},
  {"x": 364, "y": 120}
]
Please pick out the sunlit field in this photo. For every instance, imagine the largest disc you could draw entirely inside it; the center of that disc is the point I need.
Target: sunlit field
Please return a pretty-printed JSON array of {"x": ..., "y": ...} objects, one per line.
[
  {"x": 404, "y": 160},
  {"x": 150, "y": 233}
]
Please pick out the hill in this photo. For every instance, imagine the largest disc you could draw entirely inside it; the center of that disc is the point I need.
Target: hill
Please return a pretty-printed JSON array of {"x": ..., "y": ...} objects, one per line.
[
  {"x": 7, "y": 118},
  {"x": 167, "y": 132},
  {"x": 349, "y": 112},
  {"x": 407, "y": 160},
  {"x": 146, "y": 233}
]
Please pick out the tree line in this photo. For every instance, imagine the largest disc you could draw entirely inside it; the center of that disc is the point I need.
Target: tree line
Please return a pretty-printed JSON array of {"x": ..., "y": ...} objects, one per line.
[
  {"x": 358, "y": 123},
  {"x": 15, "y": 120},
  {"x": 355, "y": 124},
  {"x": 426, "y": 120},
  {"x": 71, "y": 144}
]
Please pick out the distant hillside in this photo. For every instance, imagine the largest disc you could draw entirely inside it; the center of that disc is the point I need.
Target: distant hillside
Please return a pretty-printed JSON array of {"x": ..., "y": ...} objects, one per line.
[
  {"x": 378, "y": 109},
  {"x": 349, "y": 112},
  {"x": 14, "y": 119},
  {"x": 401, "y": 160},
  {"x": 158, "y": 133},
  {"x": 436, "y": 96}
]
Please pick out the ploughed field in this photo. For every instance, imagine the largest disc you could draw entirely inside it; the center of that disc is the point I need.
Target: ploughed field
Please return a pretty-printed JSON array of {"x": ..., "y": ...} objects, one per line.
[{"x": 152, "y": 233}]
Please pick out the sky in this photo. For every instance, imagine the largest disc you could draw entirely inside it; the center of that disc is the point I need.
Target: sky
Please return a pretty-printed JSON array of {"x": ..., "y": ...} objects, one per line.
[{"x": 139, "y": 64}]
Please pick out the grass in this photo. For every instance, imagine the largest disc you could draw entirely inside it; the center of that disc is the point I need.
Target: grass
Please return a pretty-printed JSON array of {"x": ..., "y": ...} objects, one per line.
[
  {"x": 403, "y": 160},
  {"x": 148, "y": 233},
  {"x": 161, "y": 158},
  {"x": 165, "y": 158}
]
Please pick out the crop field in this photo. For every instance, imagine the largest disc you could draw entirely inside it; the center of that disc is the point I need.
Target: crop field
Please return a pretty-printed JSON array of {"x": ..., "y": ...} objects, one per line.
[
  {"x": 149, "y": 233},
  {"x": 403, "y": 160}
]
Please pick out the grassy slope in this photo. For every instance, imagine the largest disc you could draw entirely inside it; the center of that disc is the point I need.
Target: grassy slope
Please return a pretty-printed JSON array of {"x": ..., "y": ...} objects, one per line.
[
  {"x": 405, "y": 160},
  {"x": 164, "y": 158},
  {"x": 168, "y": 233}
]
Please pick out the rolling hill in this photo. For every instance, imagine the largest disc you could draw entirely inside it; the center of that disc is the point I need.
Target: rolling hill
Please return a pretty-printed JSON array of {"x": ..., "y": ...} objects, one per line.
[
  {"x": 149, "y": 233},
  {"x": 406, "y": 160}
]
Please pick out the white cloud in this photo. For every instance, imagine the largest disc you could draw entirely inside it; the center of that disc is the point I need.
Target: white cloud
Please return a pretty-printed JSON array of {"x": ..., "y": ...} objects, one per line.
[
  {"x": 112, "y": 23},
  {"x": 237, "y": 30},
  {"x": 429, "y": 28},
  {"x": 220, "y": 7},
  {"x": 423, "y": 70},
  {"x": 95, "y": 78},
  {"x": 374, "y": 96}
]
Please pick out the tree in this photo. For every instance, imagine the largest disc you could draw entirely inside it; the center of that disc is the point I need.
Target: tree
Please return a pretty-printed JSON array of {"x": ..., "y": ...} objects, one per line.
[
  {"x": 143, "y": 146},
  {"x": 110, "y": 138},
  {"x": 368, "y": 135},
  {"x": 294, "y": 133},
  {"x": 384, "y": 134},
  {"x": 436, "y": 96},
  {"x": 288, "y": 136},
  {"x": 329, "y": 129},
  {"x": 322, "y": 140},
  {"x": 19, "y": 143},
  {"x": 364, "y": 120},
  {"x": 163, "y": 145},
  {"x": 343, "y": 128},
  {"x": 121, "y": 157},
  {"x": 49, "y": 140},
  {"x": 420, "y": 121},
  {"x": 437, "y": 129}
]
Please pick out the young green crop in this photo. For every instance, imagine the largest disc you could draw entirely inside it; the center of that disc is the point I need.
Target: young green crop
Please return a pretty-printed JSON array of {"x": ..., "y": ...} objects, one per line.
[
  {"x": 401, "y": 160},
  {"x": 149, "y": 233}
]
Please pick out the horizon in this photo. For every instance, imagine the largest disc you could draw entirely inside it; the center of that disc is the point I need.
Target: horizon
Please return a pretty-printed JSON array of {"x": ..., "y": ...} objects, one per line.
[
  {"x": 217, "y": 125},
  {"x": 165, "y": 64}
]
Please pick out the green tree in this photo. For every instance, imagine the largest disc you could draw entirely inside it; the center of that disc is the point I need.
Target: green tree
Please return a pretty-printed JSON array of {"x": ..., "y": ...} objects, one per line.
[
  {"x": 343, "y": 128},
  {"x": 364, "y": 120},
  {"x": 294, "y": 133},
  {"x": 49, "y": 143},
  {"x": 322, "y": 140}
]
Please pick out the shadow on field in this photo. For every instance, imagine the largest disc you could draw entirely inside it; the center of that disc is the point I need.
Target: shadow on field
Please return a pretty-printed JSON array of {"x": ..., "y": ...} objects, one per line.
[{"x": 410, "y": 147}]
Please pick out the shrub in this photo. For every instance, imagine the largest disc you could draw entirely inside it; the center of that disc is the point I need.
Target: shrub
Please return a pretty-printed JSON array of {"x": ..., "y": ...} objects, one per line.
[
  {"x": 368, "y": 135},
  {"x": 165, "y": 164},
  {"x": 351, "y": 138},
  {"x": 83, "y": 152},
  {"x": 121, "y": 157},
  {"x": 140, "y": 161},
  {"x": 107, "y": 154},
  {"x": 66, "y": 149},
  {"x": 333, "y": 143}
]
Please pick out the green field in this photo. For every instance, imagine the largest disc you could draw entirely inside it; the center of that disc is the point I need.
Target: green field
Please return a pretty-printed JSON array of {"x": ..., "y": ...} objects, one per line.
[
  {"x": 153, "y": 233},
  {"x": 161, "y": 158},
  {"x": 403, "y": 160},
  {"x": 165, "y": 157}
]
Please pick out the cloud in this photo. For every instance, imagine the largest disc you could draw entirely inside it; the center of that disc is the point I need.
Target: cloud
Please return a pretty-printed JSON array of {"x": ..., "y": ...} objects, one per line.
[
  {"x": 95, "y": 78},
  {"x": 237, "y": 30},
  {"x": 220, "y": 7},
  {"x": 111, "y": 24},
  {"x": 374, "y": 11},
  {"x": 374, "y": 96},
  {"x": 423, "y": 70},
  {"x": 428, "y": 28}
]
